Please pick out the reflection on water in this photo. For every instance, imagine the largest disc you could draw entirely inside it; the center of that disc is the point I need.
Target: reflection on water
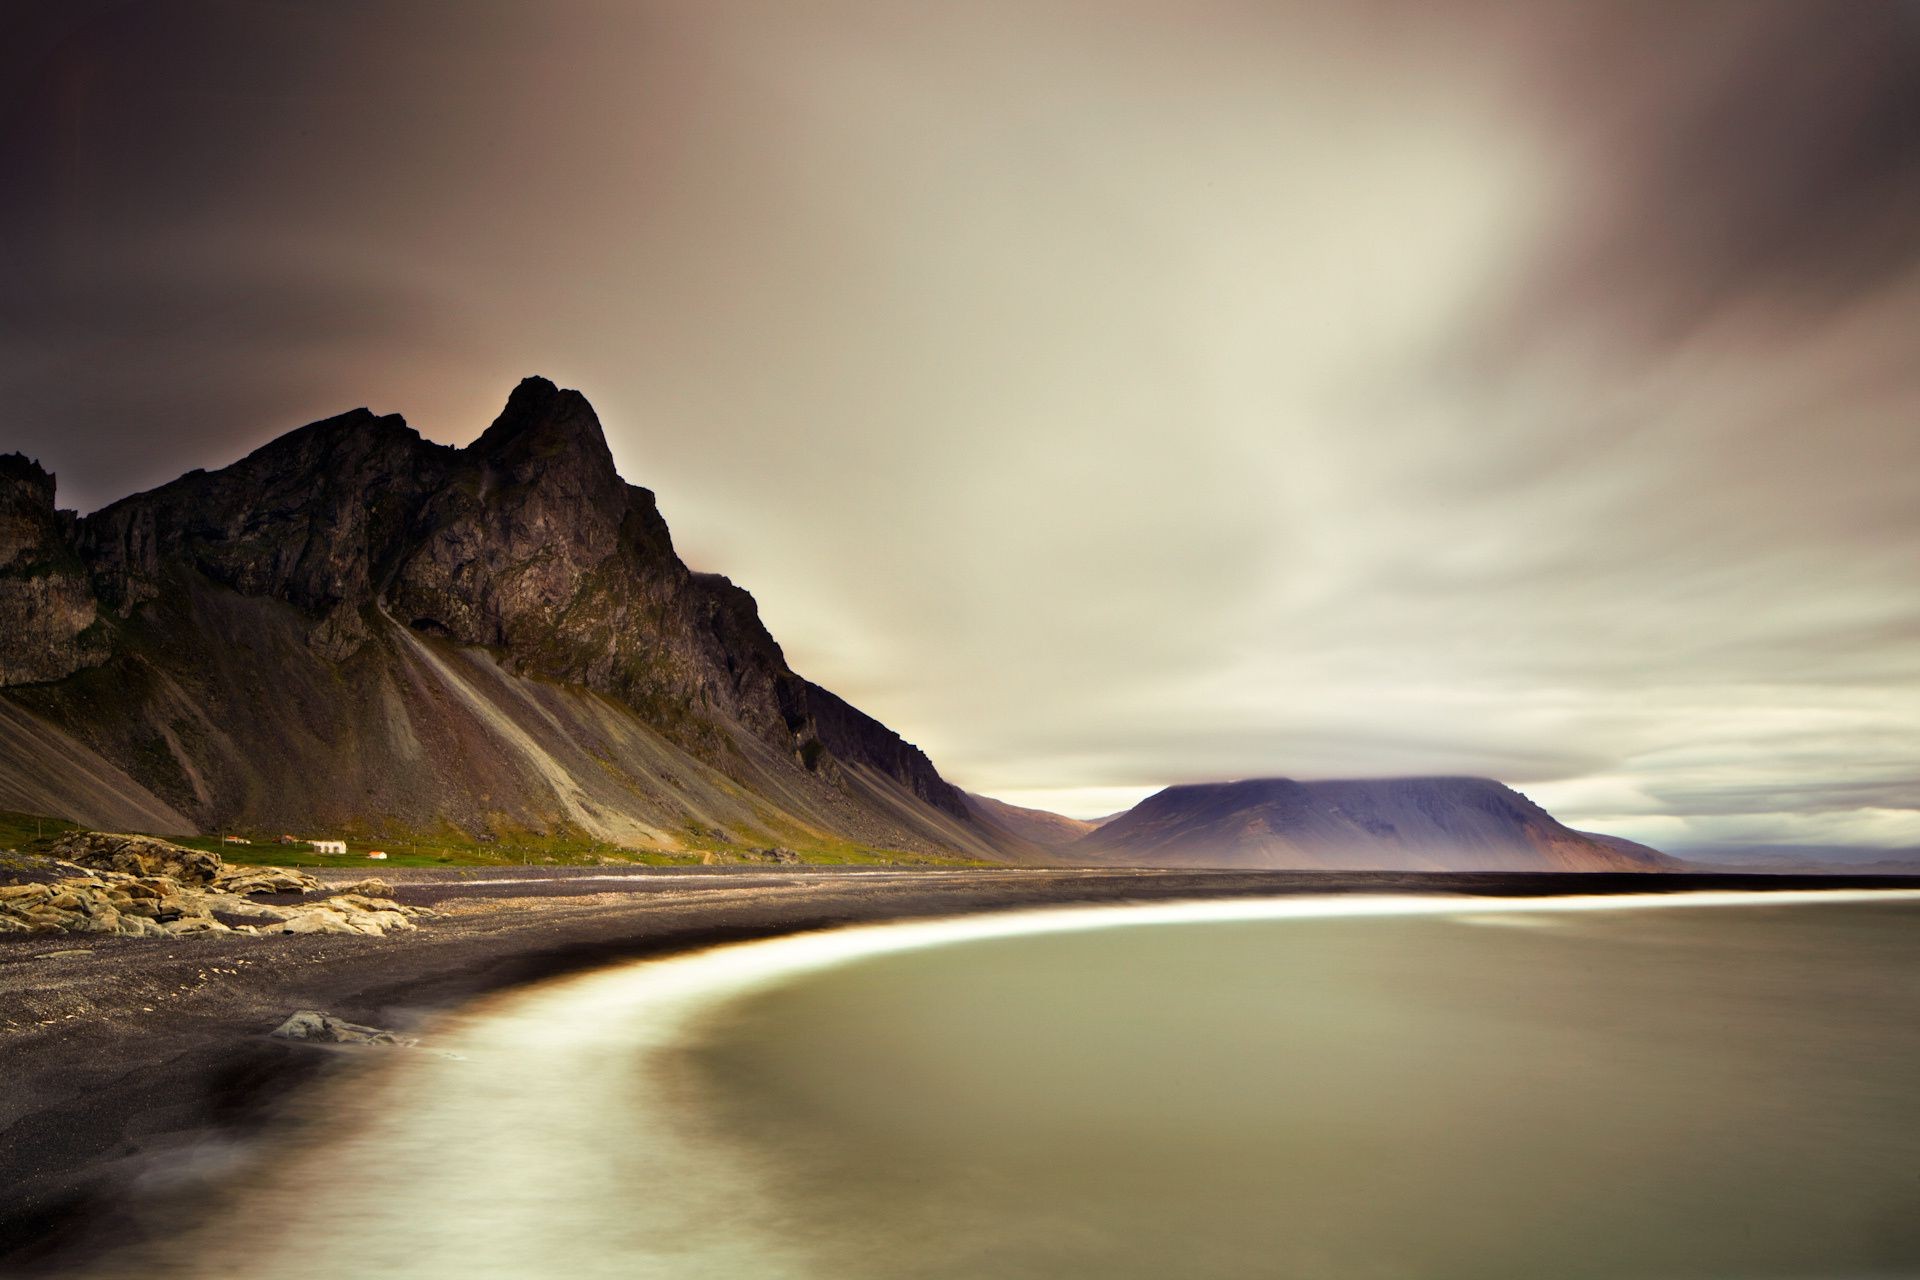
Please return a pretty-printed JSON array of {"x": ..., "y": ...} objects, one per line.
[{"x": 1680, "y": 1092}]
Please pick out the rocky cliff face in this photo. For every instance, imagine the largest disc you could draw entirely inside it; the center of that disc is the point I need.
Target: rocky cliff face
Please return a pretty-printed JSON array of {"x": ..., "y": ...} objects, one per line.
[
  {"x": 49, "y": 621},
  {"x": 401, "y": 594},
  {"x": 1409, "y": 824}
]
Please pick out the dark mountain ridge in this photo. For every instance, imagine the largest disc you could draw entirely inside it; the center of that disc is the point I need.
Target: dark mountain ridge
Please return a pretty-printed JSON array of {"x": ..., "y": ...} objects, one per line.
[{"x": 353, "y": 616}]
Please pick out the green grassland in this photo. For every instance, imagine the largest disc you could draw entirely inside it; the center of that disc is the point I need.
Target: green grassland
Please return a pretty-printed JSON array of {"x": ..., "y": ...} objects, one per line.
[{"x": 32, "y": 833}]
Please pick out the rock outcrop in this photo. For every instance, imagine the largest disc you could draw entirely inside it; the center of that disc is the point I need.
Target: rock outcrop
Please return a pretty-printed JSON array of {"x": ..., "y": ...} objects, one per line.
[
  {"x": 49, "y": 618},
  {"x": 315, "y": 1027},
  {"x": 138, "y": 856},
  {"x": 355, "y": 623},
  {"x": 247, "y": 881},
  {"x": 138, "y": 887}
]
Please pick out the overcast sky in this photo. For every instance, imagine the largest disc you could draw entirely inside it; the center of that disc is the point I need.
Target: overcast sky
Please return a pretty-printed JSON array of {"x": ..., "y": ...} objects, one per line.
[{"x": 1103, "y": 395}]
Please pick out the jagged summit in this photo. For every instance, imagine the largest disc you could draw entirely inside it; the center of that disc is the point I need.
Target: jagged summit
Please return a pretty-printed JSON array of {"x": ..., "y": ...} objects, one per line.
[
  {"x": 352, "y": 620},
  {"x": 24, "y": 480},
  {"x": 542, "y": 420}
]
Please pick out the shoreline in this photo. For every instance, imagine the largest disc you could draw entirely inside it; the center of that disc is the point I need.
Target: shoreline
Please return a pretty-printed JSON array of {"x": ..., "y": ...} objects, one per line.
[{"x": 130, "y": 1059}]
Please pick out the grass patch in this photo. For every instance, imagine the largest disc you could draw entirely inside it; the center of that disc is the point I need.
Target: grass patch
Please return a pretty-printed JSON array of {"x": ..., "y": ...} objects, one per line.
[
  {"x": 31, "y": 832},
  {"x": 429, "y": 849}
]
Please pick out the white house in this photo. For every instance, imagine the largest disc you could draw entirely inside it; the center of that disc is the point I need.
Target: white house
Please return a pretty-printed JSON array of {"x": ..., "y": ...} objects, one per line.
[{"x": 329, "y": 846}]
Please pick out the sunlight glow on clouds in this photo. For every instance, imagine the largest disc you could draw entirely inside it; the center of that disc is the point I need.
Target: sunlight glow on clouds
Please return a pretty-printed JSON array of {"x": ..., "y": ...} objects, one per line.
[{"x": 1102, "y": 395}]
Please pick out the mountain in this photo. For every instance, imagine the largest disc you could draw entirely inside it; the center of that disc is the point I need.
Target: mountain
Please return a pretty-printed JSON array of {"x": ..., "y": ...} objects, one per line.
[
  {"x": 1630, "y": 848},
  {"x": 1046, "y": 831},
  {"x": 353, "y": 624},
  {"x": 1419, "y": 824}
]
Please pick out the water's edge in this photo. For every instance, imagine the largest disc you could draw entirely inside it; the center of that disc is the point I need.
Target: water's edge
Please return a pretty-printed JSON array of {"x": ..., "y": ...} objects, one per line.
[{"x": 608, "y": 1028}]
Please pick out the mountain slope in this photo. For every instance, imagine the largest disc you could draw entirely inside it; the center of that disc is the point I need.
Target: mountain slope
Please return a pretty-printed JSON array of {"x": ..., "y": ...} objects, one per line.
[
  {"x": 1427, "y": 824},
  {"x": 353, "y": 624},
  {"x": 1045, "y": 831}
]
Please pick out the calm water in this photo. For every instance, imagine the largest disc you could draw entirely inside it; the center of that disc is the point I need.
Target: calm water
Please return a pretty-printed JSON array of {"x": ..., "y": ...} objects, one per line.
[{"x": 1432, "y": 1091}]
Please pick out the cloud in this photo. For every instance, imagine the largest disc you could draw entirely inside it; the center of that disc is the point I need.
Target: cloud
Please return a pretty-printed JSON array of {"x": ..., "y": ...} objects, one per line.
[{"x": 1103, "y": 395}]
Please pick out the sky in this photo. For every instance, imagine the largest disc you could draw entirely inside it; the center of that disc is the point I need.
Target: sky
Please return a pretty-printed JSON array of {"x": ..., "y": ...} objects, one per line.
[{"x": 1104, "y": 395}]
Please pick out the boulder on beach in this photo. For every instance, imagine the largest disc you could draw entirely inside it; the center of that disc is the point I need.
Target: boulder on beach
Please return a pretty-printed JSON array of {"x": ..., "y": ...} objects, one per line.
[
  {"x": 323, "y": 1028},
  {"x": 245, "y": 881},
  {"x": 136, "y": 886},
  {"x": 371, "y": 887},
  {"x": 138, "y": 855},
  {"x": 350, "y": 913}
]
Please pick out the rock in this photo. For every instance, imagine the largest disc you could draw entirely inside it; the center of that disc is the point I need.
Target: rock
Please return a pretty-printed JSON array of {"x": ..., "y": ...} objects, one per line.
[
  {"x": 351, "y": 914},
  {"x": 343, "y": 913},
  {"x": 243, "y": 881},
  {"x": 187, "y": 926},
  {"x": 49, "y": 617},
  {"x": 139, "y": 856},
  {"x": 44, "y": 919},
  {"x": 371, "y": 887},
  {"x": 120, "y": 902},
  {"x": 324, "y": 1028},
  {"x": 324, "y": 920}
]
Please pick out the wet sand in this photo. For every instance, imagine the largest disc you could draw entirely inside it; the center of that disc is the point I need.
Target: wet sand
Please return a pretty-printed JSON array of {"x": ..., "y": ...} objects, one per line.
[{"x": 132, "y": 1064}]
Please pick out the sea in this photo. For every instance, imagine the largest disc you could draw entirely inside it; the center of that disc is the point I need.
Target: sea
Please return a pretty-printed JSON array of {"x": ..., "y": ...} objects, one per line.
[{"x": 1345, "y": 1088}]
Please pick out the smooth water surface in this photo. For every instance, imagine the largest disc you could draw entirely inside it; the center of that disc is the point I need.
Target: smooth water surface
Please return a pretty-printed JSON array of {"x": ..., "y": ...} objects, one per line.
[{"x": 1437, "y": 1090}]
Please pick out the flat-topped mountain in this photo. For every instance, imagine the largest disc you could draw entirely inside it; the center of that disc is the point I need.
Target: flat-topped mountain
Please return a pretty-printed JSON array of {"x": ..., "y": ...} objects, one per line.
[
  {"x": 1413, "y": 824},
  {"x": 354, "y": 623}
]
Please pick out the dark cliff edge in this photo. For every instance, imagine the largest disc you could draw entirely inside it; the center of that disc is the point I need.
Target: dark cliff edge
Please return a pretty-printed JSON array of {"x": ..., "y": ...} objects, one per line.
[
  {"x": 1402, "y": 824},
  {"x": 352, "y": 624}
]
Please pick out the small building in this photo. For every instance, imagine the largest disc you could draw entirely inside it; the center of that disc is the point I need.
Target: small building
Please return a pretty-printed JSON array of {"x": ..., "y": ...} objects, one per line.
[
  {"x": 234, "y": 840},
  {"x": 328, "y": 846},
  {"x": 375, "y": 853},
  {"x": 286, "y": 840}
]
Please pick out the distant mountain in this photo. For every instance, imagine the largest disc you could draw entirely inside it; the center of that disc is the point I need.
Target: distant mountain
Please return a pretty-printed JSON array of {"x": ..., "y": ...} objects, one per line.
[
  {"x": 1047, "y": 831},
  {"x": 1631, "y": 848},
  {"x": 1416, "y": 824},
  {"x": 354, "y": 625}
]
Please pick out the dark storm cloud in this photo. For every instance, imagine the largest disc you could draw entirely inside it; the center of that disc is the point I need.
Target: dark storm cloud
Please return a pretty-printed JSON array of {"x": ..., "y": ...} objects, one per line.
[
  {"x": 1102, "y": 394},
  {"x": 160, "y": 311},
  {"x": 1731, "y": 153},
  {"x": 186, "y": 360}
]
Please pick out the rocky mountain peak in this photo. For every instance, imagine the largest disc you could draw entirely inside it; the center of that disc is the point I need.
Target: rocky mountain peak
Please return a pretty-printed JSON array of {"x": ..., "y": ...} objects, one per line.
[
  {"x": 354, "y": 547},
  {"x": 542, "y": 425},
  {"x": 48, "y": 612},
  {"x": 24, "y": 484}
]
